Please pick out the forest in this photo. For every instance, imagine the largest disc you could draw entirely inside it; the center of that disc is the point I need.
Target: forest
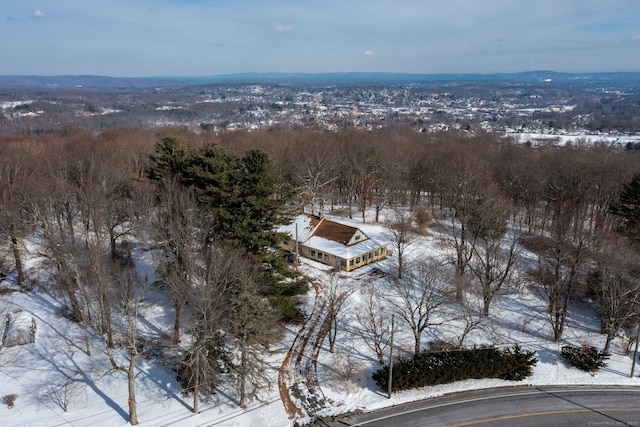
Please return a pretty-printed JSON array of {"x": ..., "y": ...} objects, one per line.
[{"x": 203, "y": 208}]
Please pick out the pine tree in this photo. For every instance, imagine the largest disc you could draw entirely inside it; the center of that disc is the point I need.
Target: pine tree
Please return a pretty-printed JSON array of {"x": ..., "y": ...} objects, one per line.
[
  {"x": 627, "y": 209},
  {"x": 168, "y": 159},
  {"x": 241, "y": 192}
]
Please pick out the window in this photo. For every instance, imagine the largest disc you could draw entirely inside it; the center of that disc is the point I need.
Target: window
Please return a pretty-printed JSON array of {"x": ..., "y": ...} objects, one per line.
[
  {"x": 320, "y": 255},
  {"x": 358, "y": 260},
  {"x": 370, "y": 255},
  {"x": 357, "y": 237},
  {"x": 313, "y": 253},
  {"x": 376, "y": 252},
  {"x": 351, "y": 262},
  {"x": 326, "y": 257}
]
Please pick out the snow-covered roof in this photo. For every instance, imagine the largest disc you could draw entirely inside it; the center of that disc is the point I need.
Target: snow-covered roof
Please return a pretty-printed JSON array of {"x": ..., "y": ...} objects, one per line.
[
  {"x": 339, "y": 250},
  {"x": 306, "y": 224},
  {"x": 330, "y": 237}
]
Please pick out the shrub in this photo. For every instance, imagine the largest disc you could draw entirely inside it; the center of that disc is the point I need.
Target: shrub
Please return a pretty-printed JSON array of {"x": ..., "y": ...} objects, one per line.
[
  {"x": 10, "y": 400},
  {"x": 587, "y": 358},
  {"x": 448, "y": 365}
]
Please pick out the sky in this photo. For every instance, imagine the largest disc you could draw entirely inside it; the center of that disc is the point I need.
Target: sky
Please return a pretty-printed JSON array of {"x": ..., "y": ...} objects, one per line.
[{"x": 134, "y": 38}]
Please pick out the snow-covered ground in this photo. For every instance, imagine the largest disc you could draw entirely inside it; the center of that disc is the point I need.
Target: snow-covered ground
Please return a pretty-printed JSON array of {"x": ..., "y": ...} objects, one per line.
[
  {"x": 55, "y": 371},
  {"x": 578, "y": 137}
]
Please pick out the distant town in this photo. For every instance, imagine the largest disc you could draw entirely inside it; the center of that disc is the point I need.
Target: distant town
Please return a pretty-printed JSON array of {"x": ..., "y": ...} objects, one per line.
[{"x": 536, "y": 108}]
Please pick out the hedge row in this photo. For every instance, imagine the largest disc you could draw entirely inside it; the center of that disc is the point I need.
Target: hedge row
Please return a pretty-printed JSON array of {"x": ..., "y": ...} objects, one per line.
[{"x": 448, "y": 365}]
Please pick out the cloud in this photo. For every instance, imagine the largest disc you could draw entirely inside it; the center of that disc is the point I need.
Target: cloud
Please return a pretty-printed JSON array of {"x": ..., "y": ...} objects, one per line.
[
  {"x": 368, "y": 52},
  {"x": 38, "y": 13},
  {"x": 283, "y": 28}
]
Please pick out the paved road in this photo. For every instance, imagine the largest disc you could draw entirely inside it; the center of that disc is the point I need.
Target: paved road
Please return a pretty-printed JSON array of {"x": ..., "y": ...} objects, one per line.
[{"x": 514, "y": 406}]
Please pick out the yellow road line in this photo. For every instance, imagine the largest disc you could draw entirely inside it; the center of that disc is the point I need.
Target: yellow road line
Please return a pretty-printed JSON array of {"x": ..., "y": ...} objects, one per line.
[{"x": 535, "y": 414}]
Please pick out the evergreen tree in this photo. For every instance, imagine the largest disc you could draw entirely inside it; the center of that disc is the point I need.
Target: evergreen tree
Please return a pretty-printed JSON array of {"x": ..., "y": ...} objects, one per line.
[
  {"x": 627, "y": 209},
  {"x": 255, "y": 202},
  {"x": 168, "y": 159},
  {"x": 242, "y": 194}
]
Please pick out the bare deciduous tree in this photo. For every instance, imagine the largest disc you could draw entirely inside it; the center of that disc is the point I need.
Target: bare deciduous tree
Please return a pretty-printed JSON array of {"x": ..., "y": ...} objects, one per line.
[
  {"x": 494, "y": 248},
  {"x": 17, "y": 171},
  {"x": 373, "y": 321},
  {"x": 417, "y": 297},
  {"x": 181, "y": 229},
  {"x": 335, "y": 297},
  {"x": 253, "y": 324},
  {"x": 459, "y": 191},
  {"x": 315, "y": 173},
  {"x": 402, "y": 233},
  {"x": 128, "y": 291},
  {"x": 616, "y": 288},
  {"x": 207, "y": 300},
  {"x": 562, "y": 261}
]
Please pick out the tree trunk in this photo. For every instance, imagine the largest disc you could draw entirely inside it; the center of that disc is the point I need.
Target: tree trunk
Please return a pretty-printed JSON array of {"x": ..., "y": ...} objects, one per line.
[
  {"x": 16, "y": 255},
  {"x": 131, "y": 374},
  {"x": 459, "y": 279},
  {"x": 461, "y": 263},
  {"x": 607, "y": 344},
  {"x": 196, "y": 389},
  {"x": 557, "y": 331},
  {"x": 176, "y": 325},
  {"x": 418, "y": 337},
  {"x": 243, "y": 373},
  {"x": 105, "y": 315},
  {"x": 112, "y": 245},
  {"x": 486, "y": 302},
  {"x": 76, "y": 311},
  {"x": 69, "y": 218},
  {"x": 565, "y": 308}
]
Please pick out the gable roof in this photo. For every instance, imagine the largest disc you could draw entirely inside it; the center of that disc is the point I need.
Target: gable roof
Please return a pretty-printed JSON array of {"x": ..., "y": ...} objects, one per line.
[
  {"x": 330, "y": 237},
  {"x": 335, "y": 232}
]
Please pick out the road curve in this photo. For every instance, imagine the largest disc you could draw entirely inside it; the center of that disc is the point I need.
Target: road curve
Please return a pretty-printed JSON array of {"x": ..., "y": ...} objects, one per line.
[{"x": 559, "y": 406}]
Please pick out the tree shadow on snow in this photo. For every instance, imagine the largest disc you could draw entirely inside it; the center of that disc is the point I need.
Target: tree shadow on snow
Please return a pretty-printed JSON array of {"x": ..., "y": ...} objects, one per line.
[{"x": 67, "y": 371}]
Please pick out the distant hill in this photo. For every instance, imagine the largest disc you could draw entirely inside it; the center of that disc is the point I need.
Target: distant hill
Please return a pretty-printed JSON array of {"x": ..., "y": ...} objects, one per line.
[
  {"x": 529, "y": 77},
  {"x": 355, "y": 78},
  {"x": 89, "y": 82}
]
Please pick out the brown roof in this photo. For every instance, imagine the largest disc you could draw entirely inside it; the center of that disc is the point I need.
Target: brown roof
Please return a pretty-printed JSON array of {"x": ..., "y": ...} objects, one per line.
[{"x": 336, "y": 232}]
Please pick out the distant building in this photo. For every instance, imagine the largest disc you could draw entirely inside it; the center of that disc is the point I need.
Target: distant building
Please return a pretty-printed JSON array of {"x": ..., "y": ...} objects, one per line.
[{"x": 340, "y": 246}]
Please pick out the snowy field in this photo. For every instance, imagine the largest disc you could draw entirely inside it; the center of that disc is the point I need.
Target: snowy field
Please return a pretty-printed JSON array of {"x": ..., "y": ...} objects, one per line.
[
  {"x": 54, "y": 373},
  {"x": 560, "y": 139}
]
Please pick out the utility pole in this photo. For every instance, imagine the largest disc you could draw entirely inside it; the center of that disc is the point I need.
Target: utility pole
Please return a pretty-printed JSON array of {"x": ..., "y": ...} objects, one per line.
[
  {"x": 295, "y": 260},
  {"x": 635, "y": 353},
  {"x": 390, "y": 357}
]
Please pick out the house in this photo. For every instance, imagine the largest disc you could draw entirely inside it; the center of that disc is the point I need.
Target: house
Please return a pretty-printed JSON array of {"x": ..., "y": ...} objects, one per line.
[{"x": 338, "y": 245}]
